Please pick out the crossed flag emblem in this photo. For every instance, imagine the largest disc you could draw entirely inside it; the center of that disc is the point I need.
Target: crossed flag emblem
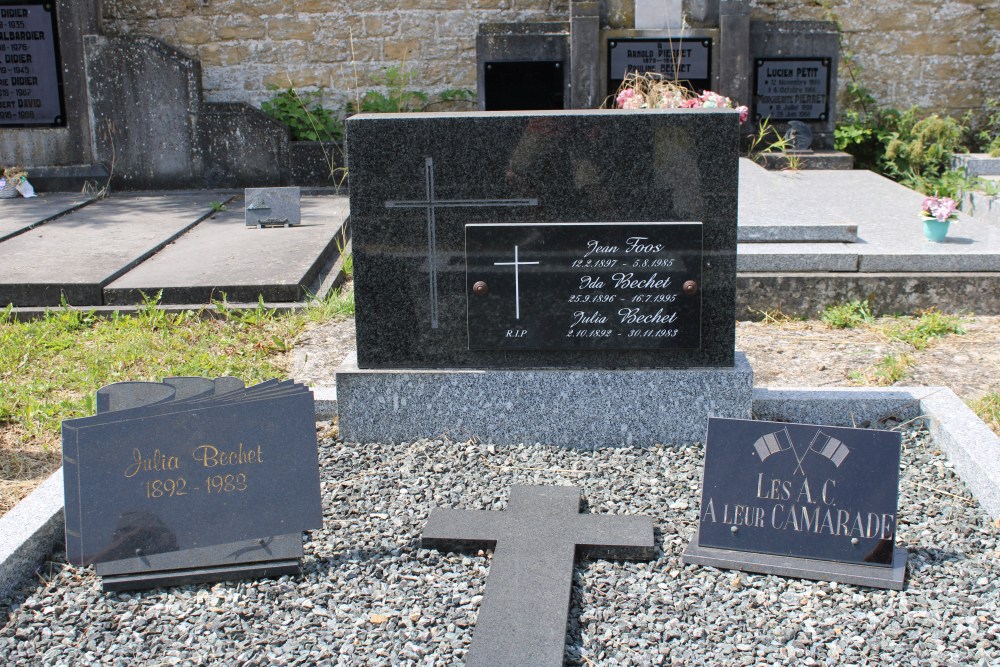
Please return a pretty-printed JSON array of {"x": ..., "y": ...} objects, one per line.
[{"x": 781, "y": 441}]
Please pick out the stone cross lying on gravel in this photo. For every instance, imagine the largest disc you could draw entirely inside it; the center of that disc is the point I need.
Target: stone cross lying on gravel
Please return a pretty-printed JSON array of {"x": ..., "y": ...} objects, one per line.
[{"x": 522, "y": 620}]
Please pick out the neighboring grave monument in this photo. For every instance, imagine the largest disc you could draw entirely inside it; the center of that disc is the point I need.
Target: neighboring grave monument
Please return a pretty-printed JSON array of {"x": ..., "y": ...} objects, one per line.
[{"x": 515, "y": 267}]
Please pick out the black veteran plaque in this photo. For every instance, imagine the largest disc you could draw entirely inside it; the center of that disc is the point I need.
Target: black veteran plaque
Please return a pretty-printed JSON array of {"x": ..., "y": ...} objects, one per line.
[
  {"x": 584, "y": 286},
  {"x": 31, "y": 93},
  {"x": 817, "y": 502},
  {"x": 191, "y": 480}
]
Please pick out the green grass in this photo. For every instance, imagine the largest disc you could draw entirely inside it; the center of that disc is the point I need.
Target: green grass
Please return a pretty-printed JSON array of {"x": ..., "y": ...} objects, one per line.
[
  {"x": 51, "y": 367},
  {"x": 848, "y": 315},
  {"x": 921, "y": 331},
  {"x": 888, "y": 370}
]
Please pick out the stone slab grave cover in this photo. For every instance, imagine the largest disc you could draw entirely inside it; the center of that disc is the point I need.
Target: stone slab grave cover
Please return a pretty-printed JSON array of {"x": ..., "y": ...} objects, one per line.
[
  {"x": 421, "y": 182},
  {"x": 817, "y": 502},
  {"x": 191, "y": 480},
  {"x": 537, "y": 539},
  {"x": 273, "y": 207}
]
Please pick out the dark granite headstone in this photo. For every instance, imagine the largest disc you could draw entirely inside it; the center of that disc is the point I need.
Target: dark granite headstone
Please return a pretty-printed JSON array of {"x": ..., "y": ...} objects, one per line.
[
  {"x": 522, "y": 620},
  {"x": 197, "y": 480},
  {"x": 31, "y": 89},
  {"x": 421, "y": 181},
  {"x": 820, "y": 500}
]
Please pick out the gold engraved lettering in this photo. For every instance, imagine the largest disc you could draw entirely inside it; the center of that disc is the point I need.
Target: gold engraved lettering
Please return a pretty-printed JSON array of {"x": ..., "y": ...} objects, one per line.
[
  {"x": 210, "y": 456},
  {"x": 157, "y": 462}
]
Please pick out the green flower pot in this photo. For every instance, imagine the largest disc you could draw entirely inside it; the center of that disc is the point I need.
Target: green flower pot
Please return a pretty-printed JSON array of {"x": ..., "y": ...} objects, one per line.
[{"x": 935, "y": 230}]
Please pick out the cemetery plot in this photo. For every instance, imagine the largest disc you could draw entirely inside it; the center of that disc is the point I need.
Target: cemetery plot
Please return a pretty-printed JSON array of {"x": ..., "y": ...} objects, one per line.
[
  {"x": 222, "y": 254},
  {"x": 80, "y": 253},
  {"x": 18, "y": 215}
]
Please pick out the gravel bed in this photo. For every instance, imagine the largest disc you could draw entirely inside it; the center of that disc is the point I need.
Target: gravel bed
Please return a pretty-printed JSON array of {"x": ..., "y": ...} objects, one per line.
[{"x": 370, "y": 597}]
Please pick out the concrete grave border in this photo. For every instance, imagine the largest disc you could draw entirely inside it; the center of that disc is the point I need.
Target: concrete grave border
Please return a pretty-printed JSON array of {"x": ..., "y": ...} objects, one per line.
[{"x": 30, "y": 531}]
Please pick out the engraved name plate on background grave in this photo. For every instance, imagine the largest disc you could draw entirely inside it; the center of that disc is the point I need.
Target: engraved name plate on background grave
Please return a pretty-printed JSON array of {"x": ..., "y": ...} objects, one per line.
[
  {"x": 273, "y": 207},
  {"x": 31, "y": 93},
  {"x": 821, "y": 495},
  {"x": 684, "y": 59},
  {"x": 792, "y": 89},
  {"x": 563, "y": 286},
  {"x": 210, "y": 469}
]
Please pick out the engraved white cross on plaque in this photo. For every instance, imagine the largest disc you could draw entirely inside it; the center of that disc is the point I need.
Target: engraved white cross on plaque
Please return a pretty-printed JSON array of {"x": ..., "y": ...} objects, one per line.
[
  {"x": 430, "y": 204},
  {"x": 517, "y": 281}
]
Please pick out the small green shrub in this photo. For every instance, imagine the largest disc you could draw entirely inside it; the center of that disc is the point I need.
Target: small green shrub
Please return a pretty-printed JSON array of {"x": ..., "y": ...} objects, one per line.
[
  {"x": 847, "y": 315},
  {"x": 305, "y": 114},
  {"x": 920, "y": 332},
  {"x": 888, "y": 370},
  {"x": 396, "y": 99}
]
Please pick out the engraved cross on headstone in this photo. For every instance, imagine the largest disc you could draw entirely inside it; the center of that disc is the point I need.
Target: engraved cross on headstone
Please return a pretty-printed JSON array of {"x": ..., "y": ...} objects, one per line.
[
  {"x": 517, "y": 280},
  {"x": 522, "y": 620},
  {"x": 430, "y": 204}
]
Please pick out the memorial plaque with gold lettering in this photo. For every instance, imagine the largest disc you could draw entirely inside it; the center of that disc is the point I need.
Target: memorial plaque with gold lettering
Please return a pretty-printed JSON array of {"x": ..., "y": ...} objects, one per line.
[
  {"x": 801, "y": 500},
  {"x": 164, "y": 472}
]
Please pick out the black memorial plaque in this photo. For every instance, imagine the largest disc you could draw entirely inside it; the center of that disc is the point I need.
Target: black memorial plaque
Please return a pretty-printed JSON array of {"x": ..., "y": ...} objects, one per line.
[
  {"x": 584, "y": 286},
  {"x": 517, "y": 86},
  {"x": 687, "y": 60},
  {"x": 31, "y": 92},
  {"x": 210, "y": 465},
  {"x": 792, "y": 89},
  {"x": 816, "y": 492}
]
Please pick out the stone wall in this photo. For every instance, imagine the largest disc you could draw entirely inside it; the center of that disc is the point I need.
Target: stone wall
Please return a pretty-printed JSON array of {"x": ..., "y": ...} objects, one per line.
[
  {"x": 247, "y": 45},
  {"x": 942, "y": 54},
  {"x": 936, "y": 54}
]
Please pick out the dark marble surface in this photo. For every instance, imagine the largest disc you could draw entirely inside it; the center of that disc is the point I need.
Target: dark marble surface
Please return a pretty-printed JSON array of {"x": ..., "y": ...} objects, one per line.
[
  {"x": 537, "y": 538},
  {"x": 527, "y": 167},
  {"x": 807, "y": 491}
]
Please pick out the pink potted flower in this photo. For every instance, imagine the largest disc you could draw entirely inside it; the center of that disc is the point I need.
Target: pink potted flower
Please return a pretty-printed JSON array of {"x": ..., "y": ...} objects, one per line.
[{"x": 937, "y": 214}]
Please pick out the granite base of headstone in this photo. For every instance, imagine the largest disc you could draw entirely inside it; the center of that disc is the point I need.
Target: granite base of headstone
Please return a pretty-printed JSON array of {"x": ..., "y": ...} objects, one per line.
[
  {"x": 191, "y": 480},
  {"x": 563, "y": 407},
  {"x": 800, "y": 500}
]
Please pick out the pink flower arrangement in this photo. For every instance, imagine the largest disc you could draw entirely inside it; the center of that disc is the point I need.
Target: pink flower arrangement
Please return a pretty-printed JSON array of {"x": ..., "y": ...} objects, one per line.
[
  {"x": 940, "y": 208},
  {"x": 628, "y": 98},
  {"x": 642, "y": 92}
]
